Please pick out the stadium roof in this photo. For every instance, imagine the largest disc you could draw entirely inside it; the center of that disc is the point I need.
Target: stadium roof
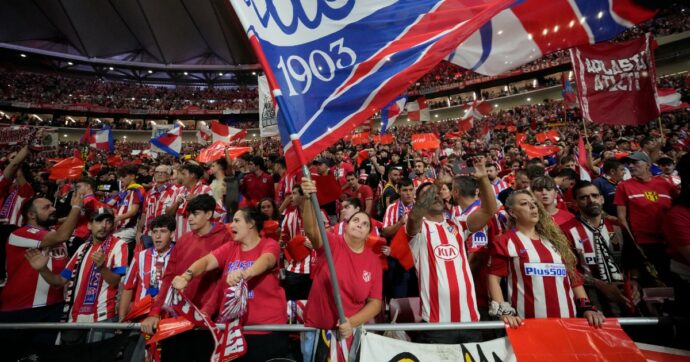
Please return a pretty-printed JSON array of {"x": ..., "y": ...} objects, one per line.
[{"x": 190, "y": 35}]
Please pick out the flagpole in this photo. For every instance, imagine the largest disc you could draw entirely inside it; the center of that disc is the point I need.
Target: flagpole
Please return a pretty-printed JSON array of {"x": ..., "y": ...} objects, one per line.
[
  {"x": 661, "y": 130},
  {"x": 315, "y": 204}
]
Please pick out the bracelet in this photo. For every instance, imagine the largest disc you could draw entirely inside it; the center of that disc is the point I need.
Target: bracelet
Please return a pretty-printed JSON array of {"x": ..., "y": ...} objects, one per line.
[
  {"x": 583, "y": 305},
  {"x": 76, "y": 207},
  {"x": 190, "y": 273}
]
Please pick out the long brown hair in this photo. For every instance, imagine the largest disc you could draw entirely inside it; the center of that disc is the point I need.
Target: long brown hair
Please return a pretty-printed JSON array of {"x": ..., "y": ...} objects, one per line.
[{"x": 547, "y": 228}]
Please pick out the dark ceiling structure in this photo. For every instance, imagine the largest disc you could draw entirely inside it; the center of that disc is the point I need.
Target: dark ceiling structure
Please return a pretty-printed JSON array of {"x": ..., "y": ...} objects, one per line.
[{"x": 146, "y": 40}]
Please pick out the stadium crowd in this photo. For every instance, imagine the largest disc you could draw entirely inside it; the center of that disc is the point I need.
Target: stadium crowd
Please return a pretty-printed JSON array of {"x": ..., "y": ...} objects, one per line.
[{"x": 464, "y": 232}]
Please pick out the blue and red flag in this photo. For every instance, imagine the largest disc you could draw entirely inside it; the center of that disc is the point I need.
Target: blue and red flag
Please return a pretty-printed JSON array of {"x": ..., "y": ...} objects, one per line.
[
  {"x": 101, "y": 139},
  {"x": 331, "y": 65},
  {"x": 569, "y": 96},
  {"x": 531, "y": 29},
  {"x": 391, "y": 111},
  {"x": 168, "y": 142}
]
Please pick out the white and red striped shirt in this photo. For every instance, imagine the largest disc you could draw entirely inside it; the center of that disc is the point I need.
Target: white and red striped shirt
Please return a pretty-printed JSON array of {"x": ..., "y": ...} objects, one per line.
[
  {"x": 132, "y": 195},
  {"x": 446, "y": 285},
  {"x": 499, "y": 185},
  {"x": 419, "y": 180},
  {"x": 146, "y": 272},
  {"x": 94, "y": 299},
  {"x": 155, "y": 203},
  {"x": 285, "y": 185},
  {"x": 538, "y": 281},
  {"x": 11, "y": 207},
  {"x": 291, "y": 227},
  {"x": 25, "y": 288},
  {"x": 181, "y": 217},
  {"x": 454, "y": 212},
  {"x": 477, "y": 241},
  {"x": 582, "y": 240},
  {"x": 395, "y": 211}
]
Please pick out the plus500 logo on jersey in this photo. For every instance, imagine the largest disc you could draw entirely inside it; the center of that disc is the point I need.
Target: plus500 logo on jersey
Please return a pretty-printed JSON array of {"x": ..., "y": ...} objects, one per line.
[{"x": 545, "y": 270}]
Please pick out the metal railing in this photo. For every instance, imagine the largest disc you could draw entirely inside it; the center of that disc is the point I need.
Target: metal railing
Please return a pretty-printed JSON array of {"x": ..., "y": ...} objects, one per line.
[{"x": 302, "y": 328}]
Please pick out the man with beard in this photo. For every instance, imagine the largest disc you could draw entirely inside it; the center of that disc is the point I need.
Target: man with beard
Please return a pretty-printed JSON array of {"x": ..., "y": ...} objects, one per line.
[
  {"x": 93, "y": 274},
  {"x": 606, "y": 253},
  {"x": 26, "y": 297}
]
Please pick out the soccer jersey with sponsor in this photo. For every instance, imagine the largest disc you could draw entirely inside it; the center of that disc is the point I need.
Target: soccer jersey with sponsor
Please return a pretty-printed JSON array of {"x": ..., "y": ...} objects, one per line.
[
  {"x": 181, "y": 216},
  {"x": 124, "y": 201},
  {"x": 11, "y": 209},
  {"x": 94, "y": 298},
  {"x": 154, "y": 204},
  {"x": 601, "y": 263},
  {"x": 25, "y": 287},
  {"x": 291, "y": 227},
  {"x": 284, "y": 188},
  {"x": 538, "y": 282},
  {"x": 646, "y": 204},
  {"x": 477, "y": 241},
  {"x": 146, "y": 272},
  {"x": 395, "y": 211},
  {"x": 446, "y": 285}
]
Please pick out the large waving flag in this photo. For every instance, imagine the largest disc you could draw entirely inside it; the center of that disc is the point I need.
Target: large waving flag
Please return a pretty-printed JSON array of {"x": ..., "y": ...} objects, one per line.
[
  {"x": 668, "y": 99},
  {"x": 391, "y": 111},
  {"x": 417, "y": 110},
  {"x": 533, "y": 28},
  {"x": 168, "y": 142},
  {"x": 332, "y": 64},
  {"x": 222, "y": 132},
  {"x": 101, "y": 139}
]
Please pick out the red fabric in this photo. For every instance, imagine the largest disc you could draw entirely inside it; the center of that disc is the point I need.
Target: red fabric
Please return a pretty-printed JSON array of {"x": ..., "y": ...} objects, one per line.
[
  {"x": 69, "y": 168},
  {"x": 359, "y": 278},
  {"x": 385, "y": 139},
  {"x": 604, "y": 83},
  {"x": 551, "y": 135},
  {"x": 362, "y": 156},
  {"x": 266, "y": 300},
  {"x": 217, "y": 150},
  {"x": 400, "y": 249},
  {"x": 115, "y": 161},
  {"x": 360, "y": 138},
  {"x": 296, "y": 250},
  {"x": 646, "y": 203},
  {"x": 520, "y": 138},
  {"x": 255, "y": 188},
  {"x": 425, "y": 141},
  {"x": 539, "y": 151},
  {"x": 327, "y": 189},
  {"x": 572, "y": 340},
  {"x": 363, "y": 193},
  {"x": 562, "y": 216},
  {"x": 188, "y": 249}
]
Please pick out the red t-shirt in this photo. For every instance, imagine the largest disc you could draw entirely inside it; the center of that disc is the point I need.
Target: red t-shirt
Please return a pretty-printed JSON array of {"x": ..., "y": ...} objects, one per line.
[
  {"x": 266, "y": 303},
  {"x": 359, "y": 278},
  {"x": 646, "y": 203},
  {"x": 363, "y": 193},
  {"x": 677, "y": 229},
  {"x": 255, "y": 188},
  {"x": 561, "y": 217}
]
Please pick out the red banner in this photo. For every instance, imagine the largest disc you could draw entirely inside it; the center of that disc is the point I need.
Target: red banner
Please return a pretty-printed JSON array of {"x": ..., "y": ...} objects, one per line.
[
  {"x": 425, "y": 141},
  {"x": 572, "y": 340},
  {"x": 533, "y": 151},
  {"x": 360, "y": 138},
  {"x": 385, "y": 139},
  {"x": 548, "y": 135},
  {"x": 616, "y": 82}
]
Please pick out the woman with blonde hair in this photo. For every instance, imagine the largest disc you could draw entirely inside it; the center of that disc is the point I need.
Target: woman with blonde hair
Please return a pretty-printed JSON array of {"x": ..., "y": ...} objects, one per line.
[{"x": 536, "y": 258}]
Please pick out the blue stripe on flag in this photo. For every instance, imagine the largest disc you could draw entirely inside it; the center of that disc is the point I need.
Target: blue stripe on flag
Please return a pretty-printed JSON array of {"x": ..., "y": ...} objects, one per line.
[
  {"x": 603, "y": 28},
  {"x": 485, "y": 33},
  {"x": 164, "y": 148}
]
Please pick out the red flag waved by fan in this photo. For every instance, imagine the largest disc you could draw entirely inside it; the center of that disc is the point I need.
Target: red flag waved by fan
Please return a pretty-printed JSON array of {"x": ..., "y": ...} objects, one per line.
[
  {"x": 217, "y": 150},
  {"x": 425, "y": 141},
  {"x": 533, "y": 151},
  {"x": 67, "y": 169}
]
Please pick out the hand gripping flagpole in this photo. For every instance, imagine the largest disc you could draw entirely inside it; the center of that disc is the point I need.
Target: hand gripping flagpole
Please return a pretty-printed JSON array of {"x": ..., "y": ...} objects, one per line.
[{"x": 277, "y": 94}]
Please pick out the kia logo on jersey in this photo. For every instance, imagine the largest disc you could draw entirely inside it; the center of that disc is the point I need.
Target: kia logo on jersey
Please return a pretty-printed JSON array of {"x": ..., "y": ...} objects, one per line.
[{"x": 446, "y": 251}]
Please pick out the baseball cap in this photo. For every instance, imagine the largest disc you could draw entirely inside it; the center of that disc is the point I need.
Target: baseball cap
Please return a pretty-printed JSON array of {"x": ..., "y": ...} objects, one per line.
[
  {"x": 101, "y": 213},
  {"x": 637, "y": 156}
]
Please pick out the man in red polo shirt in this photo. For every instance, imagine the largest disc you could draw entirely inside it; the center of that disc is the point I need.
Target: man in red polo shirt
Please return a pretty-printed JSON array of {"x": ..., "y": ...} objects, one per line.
[
  {"x": 363, "y": 192},
  {"x": 641, "y": 203},
  {"x": 257, "y": 184}
]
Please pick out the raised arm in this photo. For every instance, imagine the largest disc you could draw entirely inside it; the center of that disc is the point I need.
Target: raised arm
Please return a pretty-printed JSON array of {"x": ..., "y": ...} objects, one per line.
[
  {"x": 420, "y": 208},
  {"x": 478, "y": 219},
  {"x": 311, "y": 228},
  {"x": 200, "y": 266},
  {"x": 65, "y": 230}
]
